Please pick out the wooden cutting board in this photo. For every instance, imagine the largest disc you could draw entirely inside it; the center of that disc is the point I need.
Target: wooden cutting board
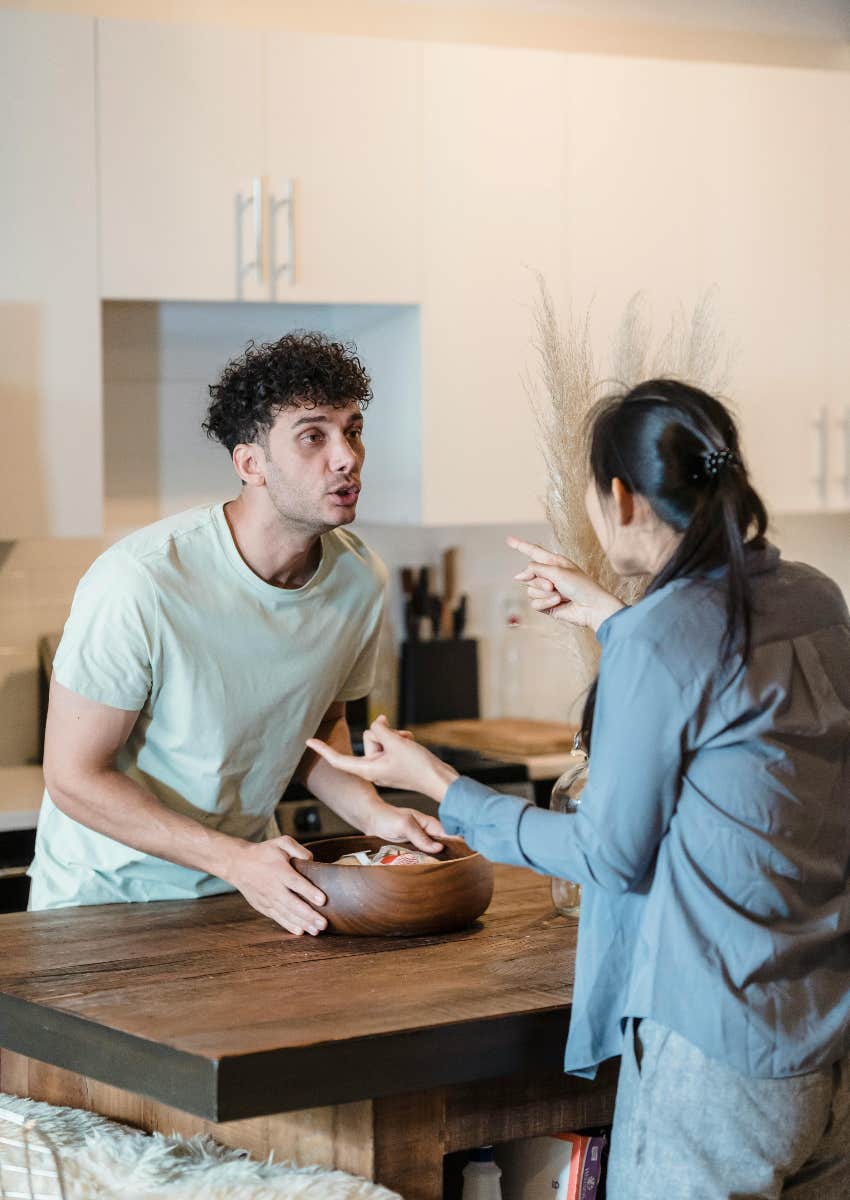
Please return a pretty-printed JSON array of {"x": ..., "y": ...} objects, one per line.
[{"x": 501, "y": 736}]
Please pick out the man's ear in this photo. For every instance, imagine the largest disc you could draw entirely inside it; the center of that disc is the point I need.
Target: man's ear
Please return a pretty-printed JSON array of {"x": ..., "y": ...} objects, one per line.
[
  {"x": 249, "y": 460},
  {"x": 624, "y": 502}
]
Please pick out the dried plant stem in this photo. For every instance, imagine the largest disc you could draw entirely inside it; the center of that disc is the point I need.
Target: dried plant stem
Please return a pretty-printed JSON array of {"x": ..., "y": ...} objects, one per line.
[{"x": 568, "y": 385}]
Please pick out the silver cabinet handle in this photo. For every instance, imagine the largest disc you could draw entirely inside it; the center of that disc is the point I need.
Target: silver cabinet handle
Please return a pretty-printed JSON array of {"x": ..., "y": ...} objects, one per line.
[
  {"x": 257, "y": 200},
  {"x": 254, "y": 202},
  {"x": 287, "y": 267},
  {"x": 821, "y": 424}
]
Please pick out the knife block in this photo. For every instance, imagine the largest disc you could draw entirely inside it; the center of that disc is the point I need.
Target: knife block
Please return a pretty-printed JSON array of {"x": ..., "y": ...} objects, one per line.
[{"x": 439, "y": 681}]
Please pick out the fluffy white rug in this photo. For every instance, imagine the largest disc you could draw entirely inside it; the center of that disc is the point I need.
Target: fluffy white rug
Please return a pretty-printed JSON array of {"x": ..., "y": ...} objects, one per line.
[{"x": 102, "y": 1160}]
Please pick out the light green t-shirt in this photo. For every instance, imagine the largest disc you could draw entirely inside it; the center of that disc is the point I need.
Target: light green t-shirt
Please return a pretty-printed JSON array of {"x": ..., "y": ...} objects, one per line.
[{"x": 230, "y": 675}]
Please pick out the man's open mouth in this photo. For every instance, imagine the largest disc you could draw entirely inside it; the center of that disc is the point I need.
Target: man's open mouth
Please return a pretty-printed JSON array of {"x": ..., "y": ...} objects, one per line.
[{"x": 347, "y": 494}]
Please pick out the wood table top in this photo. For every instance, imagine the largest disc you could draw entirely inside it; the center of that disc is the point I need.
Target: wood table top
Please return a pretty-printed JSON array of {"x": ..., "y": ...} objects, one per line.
[{"x": 212, "y": 1008}]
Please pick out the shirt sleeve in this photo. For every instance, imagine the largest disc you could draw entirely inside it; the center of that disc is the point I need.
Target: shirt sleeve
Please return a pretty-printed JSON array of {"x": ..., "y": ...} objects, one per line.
[
  {"x": 361, "y": 678},
  {"x": 631, "y": 793},
  {"x": 107, "y": 644}
]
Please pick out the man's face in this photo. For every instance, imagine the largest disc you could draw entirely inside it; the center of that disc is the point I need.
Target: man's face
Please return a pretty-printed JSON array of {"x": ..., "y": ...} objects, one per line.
[{"x": 313, "y": 465}]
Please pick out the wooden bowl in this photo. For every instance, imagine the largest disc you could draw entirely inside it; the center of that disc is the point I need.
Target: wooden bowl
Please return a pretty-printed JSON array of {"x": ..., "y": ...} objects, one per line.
[{"x": 399, "y": 901}]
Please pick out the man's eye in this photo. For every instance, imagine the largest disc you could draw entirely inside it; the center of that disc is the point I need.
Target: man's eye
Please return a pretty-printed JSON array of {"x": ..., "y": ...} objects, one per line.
[
  {"x": 355, "y": 434},
  {"x": 312, "y": 438}
]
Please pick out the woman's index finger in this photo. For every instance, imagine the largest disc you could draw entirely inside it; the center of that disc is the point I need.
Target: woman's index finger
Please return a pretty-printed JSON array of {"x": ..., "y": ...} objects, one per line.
[{"x": 534, "y": 552}]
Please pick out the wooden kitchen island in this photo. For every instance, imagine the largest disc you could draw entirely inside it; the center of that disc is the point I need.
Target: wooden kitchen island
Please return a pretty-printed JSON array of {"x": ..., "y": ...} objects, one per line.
[{"x": 375, "y": 1055}]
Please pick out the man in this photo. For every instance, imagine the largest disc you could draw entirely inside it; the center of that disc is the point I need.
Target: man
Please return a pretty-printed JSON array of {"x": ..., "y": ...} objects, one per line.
[{"x": 202, "y": 651}]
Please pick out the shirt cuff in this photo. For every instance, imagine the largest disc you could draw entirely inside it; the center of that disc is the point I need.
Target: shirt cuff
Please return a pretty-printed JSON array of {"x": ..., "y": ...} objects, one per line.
[
  {"x": 487, "y": 821},
  {"x": 607, "y": 625}
]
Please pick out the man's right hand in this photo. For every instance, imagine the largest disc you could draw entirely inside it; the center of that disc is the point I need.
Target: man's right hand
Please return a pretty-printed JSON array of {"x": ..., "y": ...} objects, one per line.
[{"x": 264, "y": 874}]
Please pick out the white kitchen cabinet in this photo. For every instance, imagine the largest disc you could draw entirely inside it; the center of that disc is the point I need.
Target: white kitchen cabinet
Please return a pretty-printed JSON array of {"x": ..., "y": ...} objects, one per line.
[
  {"x": 258, "y": 166},
  {"x": 494, "y": 154},
  {"x": 344, "y": 118},
  {"x": 685, "y": 177},
  {"x": 836, "y": 409},
  {"x": 180, "y": 115},
  {"x": 51, "y": 472}
]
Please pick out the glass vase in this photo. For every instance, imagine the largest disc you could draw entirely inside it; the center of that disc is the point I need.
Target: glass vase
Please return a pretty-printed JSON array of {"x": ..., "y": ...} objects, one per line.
[{"x": 566, "y": 798}]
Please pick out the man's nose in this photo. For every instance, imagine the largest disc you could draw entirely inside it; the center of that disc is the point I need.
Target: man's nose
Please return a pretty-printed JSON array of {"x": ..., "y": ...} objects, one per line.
[{"x": 343, "y": 455}]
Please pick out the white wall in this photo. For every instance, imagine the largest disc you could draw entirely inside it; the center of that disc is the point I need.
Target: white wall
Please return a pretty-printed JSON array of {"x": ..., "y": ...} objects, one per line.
[{"x": 158, "y": 362}]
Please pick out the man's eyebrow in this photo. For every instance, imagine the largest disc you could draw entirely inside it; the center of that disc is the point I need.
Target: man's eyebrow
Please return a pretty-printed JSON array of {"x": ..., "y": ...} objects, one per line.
[
  {"x": 311, "y": 420},
  {"x": 320, "y": 419}
]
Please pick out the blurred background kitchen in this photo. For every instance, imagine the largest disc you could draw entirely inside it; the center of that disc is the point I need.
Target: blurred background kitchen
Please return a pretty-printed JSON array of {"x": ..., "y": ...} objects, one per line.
[{"x": 180, "y": 178}]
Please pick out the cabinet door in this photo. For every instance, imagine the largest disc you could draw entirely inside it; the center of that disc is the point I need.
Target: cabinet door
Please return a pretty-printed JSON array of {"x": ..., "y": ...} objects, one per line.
[
  {"x": 343, "y": 129},
  {"x": 686, "y": 177},
  {"x": 494, "y": 196},
  {"x": 51, "y": 460},
  {"x": 181, "y": 143}
]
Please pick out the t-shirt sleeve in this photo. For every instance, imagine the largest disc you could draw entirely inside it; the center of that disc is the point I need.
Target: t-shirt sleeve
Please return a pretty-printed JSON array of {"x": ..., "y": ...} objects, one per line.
[
  {"x": 108, "y": 641},
  {"x": 361, "y": 678}
]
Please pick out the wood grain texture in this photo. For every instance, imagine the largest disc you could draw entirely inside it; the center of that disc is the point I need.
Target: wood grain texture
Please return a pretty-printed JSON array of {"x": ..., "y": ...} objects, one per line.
[
  {"x": 208, "y": 1007},
  {"x": 438, "y": 897},
  {"x": 399, "y": 1141},
  {"x": 500, "y": 735},
  {"x": 410, "y": 1139}
]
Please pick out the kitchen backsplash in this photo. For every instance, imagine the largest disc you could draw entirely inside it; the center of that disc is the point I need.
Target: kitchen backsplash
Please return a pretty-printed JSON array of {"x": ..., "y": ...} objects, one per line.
[{"x": 38, "y": 577}]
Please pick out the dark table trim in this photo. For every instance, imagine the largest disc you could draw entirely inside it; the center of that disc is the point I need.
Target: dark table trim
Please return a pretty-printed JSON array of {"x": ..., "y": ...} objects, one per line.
[
  {"x": 172, "y": 1076},
  {"x": 288, "y": 1079},
  {"x": 369, "y": 1068}
]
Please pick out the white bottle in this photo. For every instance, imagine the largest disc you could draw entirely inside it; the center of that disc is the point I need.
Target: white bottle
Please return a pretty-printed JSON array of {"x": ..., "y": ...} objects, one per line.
[
  {"x": 481, "y": 1176},
  {"x": 513, "y": 665}
]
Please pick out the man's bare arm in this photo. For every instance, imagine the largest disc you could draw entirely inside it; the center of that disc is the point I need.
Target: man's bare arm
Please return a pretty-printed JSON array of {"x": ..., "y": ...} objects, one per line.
[{"x": 81, "y": 743}]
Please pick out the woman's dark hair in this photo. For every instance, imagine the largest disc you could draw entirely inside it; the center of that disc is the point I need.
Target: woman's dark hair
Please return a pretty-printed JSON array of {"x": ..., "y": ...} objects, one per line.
[
  {"x": 301, "y": 370},
  {"x": 678, "y": 447}
]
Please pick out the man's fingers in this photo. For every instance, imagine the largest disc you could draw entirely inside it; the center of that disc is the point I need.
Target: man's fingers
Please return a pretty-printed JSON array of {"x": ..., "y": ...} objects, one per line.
[
  {"x": 417, "y": 835},
  {"x": 432, "y": 826},
  {"x": 298, "y": 918},
  {"x": 299, "y": 885},
  {"x": 291, "y": 848}
]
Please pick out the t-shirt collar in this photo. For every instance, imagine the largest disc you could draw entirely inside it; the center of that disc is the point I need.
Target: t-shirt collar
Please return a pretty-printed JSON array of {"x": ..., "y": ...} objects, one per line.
[{"x": 269, "y": 592}]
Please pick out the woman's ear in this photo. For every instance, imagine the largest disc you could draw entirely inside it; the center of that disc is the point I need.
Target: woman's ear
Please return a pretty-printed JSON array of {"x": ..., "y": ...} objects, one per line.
[
  {"x": 250, "y": 463},
  {"x": 624, "y": 502}
]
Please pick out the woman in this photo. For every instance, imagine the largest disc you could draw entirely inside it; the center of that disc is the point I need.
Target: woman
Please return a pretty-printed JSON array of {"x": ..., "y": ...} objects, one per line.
[{"x": 713, "y": 838}]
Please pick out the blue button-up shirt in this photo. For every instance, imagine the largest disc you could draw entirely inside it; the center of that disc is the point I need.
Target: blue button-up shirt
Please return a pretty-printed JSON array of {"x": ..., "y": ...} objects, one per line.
[{"x": 713, "y": 838}]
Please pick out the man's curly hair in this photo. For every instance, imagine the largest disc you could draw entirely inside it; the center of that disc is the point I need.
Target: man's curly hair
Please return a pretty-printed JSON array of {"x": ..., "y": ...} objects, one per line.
[{"x": 301, "y": 370}]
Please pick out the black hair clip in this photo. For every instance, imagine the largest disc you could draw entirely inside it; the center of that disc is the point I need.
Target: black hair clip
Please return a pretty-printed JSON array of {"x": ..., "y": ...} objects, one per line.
[{"x": 715, "y": 461}]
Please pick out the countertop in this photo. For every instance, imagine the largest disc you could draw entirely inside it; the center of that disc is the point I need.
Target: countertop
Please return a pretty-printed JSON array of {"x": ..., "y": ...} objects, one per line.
[{"x": 209, "y": 1007}]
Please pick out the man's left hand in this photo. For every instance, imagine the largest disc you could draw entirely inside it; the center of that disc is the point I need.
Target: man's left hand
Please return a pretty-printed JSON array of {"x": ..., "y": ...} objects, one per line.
[{"x": 407, "y": 825}]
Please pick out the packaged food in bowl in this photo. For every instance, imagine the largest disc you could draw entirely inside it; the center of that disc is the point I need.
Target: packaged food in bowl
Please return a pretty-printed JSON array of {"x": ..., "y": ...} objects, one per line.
[
  {"x": 429, "y": 897},
  {"x": 401, "y": 856}
]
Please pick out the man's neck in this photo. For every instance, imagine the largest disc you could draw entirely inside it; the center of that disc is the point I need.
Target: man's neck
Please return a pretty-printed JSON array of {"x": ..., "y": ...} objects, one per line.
[{"x": 286, "y": 557}]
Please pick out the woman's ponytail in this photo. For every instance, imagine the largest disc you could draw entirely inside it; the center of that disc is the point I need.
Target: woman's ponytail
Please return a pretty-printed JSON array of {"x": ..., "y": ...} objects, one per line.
[{"x": 678, "y": 447}]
